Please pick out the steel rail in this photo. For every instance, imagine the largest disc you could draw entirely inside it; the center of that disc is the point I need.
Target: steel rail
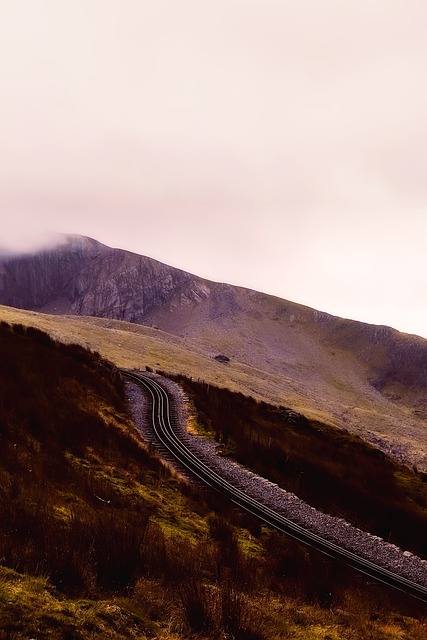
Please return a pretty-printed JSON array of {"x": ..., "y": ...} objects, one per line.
[{"x": 165, "y": 434}]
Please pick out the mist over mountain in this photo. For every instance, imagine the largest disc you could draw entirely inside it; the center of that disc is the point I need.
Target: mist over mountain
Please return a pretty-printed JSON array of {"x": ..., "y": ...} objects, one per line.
[{"x": 355, "y": 373}]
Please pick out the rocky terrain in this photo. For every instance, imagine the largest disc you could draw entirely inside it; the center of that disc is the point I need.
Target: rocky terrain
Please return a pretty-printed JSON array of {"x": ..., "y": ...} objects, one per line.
[
  {"x": 82, "y": 276},
  {"x": 369, "y": 379}
]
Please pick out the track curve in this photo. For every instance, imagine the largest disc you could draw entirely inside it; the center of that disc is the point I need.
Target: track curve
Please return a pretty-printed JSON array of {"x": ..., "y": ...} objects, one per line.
[{"x": 165, "y": 434}]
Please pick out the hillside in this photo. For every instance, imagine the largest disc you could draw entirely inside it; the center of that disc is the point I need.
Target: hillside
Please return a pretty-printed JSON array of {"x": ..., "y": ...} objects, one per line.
[
  {"x": 98, "y": 538},
  {"x": 370, "y": 380}
]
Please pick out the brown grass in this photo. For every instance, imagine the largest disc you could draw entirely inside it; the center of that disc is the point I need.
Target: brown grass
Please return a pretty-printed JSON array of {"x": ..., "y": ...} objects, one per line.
[
  {"x": 98, "y": 539},
  {"x": 326, "y": 382},
  {"x": 331, "y": 469}
]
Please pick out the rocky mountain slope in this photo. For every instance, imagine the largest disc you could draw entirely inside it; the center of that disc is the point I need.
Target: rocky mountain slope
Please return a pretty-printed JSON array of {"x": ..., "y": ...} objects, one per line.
[
  {"x": 84, "y": 277},
  {"x": 369, "y": 379}
]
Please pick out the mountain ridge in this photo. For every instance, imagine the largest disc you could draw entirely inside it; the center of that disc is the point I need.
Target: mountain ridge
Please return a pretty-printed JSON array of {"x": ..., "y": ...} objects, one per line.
[
  {"x": 78, "y": 245},
  {"x": 367, "y": 378}
]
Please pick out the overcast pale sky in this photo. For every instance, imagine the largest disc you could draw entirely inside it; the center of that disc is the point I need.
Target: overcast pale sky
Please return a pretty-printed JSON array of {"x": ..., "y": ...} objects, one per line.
[{"x": 276, "y": 144}]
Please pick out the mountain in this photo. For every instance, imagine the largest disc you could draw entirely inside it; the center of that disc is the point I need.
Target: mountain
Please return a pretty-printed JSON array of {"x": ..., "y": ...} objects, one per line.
[
  {"x": 369, "y": 379},
  {"x": 84, "y": 277}
]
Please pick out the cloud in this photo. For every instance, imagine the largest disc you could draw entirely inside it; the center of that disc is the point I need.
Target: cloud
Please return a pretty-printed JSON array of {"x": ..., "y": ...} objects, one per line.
[{"x": 17, "y": 241}]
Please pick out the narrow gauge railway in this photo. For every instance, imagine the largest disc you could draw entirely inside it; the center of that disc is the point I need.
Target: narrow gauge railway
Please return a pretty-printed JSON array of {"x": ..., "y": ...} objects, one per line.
[{"x": 163, "y": 429}]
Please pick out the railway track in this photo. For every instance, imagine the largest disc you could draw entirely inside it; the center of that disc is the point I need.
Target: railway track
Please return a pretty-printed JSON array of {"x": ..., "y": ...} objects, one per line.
[{"x": 162, "y": 425}]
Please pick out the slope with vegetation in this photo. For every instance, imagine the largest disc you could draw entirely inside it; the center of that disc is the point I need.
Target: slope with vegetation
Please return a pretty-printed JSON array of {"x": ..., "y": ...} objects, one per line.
[
  {"x": 99, "y": 539},
  {"x": 320, "y": 379},
  {"x": 369, "y": 379},
  {"x": 329, "y": 468}
]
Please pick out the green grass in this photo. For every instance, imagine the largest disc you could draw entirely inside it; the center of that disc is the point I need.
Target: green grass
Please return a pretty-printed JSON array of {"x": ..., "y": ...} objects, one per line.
[{"x": 30, "y": 607}]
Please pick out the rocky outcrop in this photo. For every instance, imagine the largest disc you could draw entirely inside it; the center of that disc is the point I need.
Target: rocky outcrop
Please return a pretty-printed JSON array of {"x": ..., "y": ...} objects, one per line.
[
  {"x": 83, "y": 277},
  {"x": 394, "y": 358}
]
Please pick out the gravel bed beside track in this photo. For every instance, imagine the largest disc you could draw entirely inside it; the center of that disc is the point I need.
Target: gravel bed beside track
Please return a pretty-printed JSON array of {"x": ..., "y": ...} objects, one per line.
[{"x": 335, "y": 529}]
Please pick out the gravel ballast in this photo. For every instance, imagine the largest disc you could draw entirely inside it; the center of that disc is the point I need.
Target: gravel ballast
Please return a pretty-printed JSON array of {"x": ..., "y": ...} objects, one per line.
[{"x": 337, "y": 530}]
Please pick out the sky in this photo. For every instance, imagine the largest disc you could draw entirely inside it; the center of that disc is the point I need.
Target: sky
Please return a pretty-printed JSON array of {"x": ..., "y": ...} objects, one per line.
[{"x": 279, "y": 145}]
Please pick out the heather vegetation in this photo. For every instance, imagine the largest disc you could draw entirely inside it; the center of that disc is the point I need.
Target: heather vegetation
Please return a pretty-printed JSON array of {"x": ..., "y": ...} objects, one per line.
[
  {"x": 99, "y": 539},
  {"x": 329, "y": 468}
]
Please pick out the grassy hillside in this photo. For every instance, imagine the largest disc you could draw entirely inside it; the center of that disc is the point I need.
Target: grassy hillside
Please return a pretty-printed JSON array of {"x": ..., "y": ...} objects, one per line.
[
  {"x": 322, "y": 380},
  {"x": 329, "y": 468},
  {"x": 98, "y": 539}
]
